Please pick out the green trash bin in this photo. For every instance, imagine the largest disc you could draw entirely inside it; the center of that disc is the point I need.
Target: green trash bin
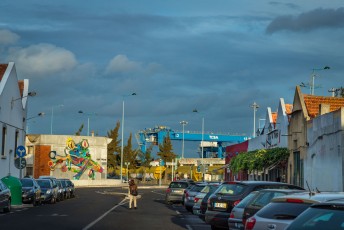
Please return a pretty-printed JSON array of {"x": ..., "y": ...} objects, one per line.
[{"x": 14, "y": 184}]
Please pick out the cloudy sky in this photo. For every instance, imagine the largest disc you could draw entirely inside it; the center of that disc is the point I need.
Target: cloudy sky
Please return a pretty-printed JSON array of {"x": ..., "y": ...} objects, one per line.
[{"x": 216, "y": 56}]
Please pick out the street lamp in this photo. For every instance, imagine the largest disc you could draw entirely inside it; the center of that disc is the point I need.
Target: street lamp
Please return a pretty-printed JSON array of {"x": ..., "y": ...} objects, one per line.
[
  {"x": 196, "y": 111},
  {"x": 133, "y": 94},
  {"x": 41, "y": 114},
  {"x": 183, "y": 123},
  {"x": 30, "y": 94},
  {"x": 313, "y": 76},
  {"x": 52, "y": 117},
  {"x": 127, "y": 164},
  {"x": 255, "y": 106},
  {"x": 88, "y": 120}
]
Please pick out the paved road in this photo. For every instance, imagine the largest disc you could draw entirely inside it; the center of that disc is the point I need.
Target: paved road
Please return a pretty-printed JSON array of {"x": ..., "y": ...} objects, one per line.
[{"x": 104, "y": 208}]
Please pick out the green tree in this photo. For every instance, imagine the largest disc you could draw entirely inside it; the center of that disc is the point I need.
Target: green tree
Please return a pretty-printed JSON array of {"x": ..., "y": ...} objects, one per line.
[
  {"x": 166, "y": 152},
  {"x": 78, "y": 133},
  {"x": 130, "y": 154},
  {"x": 113, "y": 148},
  {"x": 146, "y": 159}
]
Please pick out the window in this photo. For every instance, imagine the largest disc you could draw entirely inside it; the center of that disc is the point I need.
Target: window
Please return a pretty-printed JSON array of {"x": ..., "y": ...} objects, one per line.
[{"x": 3, "y": 139}]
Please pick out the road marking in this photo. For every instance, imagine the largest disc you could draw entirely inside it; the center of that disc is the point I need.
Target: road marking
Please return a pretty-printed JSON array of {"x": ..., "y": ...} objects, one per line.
[
  {"x": 124, "y": 201},
  {"x": 188, "y": 227}
]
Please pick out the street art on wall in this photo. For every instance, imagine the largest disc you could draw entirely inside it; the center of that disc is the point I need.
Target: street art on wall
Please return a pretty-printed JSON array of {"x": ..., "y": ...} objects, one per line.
[{"x": 76, "y": 158}]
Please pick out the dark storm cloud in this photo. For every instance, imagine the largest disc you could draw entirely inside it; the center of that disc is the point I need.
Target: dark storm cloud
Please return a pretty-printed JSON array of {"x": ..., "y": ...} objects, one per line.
[
  {"x": 289, "y": 5},
  {"x": 312, "y": 20}
]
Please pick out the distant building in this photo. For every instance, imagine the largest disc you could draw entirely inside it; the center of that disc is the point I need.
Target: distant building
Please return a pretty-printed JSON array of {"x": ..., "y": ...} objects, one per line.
[
  {"x": 66, "y": 156},
  {"x": 13, "y": 110}
]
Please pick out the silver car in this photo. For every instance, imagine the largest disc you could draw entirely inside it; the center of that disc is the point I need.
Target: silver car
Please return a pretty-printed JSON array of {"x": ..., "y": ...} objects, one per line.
[
  {"x": 281, "y": 211},
  {"x": 199, "y": 197},
  {"x": 190, "y": 194},
  {"x": 235, "y": 218}
]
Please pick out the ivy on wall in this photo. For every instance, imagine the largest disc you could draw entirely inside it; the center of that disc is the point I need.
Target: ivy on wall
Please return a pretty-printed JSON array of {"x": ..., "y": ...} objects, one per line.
[{"x": 258, "y": 159}]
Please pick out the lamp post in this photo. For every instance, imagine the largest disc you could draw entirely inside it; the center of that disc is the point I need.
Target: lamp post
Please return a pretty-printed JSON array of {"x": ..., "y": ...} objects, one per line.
[
  {"x": 122, "y": 135},
  {"x": 127, "y": 164},
  {"x": 255, "y": 106},
  {"x": 183, "y": 123},
  {"x": 88, "y": 120},
  {"x": 196, "y": 111},
  {"x": 30, "y": 94},
  {"x": 52, "y": 117},
  {"x": 41, "y": 114},
  {"x": 313, "y": 76}
]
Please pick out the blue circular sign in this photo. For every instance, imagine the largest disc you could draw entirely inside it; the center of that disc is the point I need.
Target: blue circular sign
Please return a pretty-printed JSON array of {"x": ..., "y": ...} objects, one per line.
[{"x": 21, "y": 151}]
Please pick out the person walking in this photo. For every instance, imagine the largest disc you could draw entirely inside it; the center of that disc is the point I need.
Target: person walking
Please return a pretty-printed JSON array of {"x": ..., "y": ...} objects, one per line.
[{"x": 132, "y": 194}]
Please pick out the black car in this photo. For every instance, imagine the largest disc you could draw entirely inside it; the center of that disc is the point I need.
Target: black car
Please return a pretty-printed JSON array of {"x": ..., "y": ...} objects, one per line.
[
  {"x": 229, "y": 194},
  {"x": 327, "y": 215},
  {"x": 204, "y": 202},
  {"x": 5, "y": 197},
  {"x": 31, "y": 191},
  {"x": 60, "y": 191},
  {"x": 47, "y": 191}
]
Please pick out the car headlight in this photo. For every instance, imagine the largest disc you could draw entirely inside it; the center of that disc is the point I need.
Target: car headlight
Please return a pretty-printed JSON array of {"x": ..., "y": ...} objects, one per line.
[{"x": 48, "y": 191}]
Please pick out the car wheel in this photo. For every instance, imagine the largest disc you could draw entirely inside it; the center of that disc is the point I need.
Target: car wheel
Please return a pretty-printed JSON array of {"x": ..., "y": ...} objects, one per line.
[{"x": 8, "y": 208}]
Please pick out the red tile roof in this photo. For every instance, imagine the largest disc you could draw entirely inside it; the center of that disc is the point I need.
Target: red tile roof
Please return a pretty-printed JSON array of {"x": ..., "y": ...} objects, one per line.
[
  {"x": 21, "y": 87},
  {"x": 288, "y": 108},
  {"x": 312, "y": 103},
  {"x": 3, "y": 68}
]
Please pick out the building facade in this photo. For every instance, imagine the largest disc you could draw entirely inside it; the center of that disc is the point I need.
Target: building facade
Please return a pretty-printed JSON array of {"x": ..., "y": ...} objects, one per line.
[{"x": 14, "y": 95}]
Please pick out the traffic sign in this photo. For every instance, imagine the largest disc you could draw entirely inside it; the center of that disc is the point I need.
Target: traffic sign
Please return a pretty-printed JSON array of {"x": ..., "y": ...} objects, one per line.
[
  {"x": 20, "y": 163},
  {"x": 21, "y": 151}
]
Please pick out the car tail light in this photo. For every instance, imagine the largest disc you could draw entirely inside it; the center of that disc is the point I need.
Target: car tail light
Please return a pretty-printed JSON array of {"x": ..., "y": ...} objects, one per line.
[
  {"x": 236, "y": 202},
  {"x": 168, "y": 190},
  {"x": 231, "y": 215},
  {"x": 291, "y": 200},
  {"x": 250, "y": 222},
  {"x": 196, "y": 199},
  {"x": 186, "y": 195}
]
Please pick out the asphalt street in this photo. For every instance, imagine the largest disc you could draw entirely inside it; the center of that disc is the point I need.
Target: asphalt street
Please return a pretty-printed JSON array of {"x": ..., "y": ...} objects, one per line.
[{"x": 104, "y": 208}]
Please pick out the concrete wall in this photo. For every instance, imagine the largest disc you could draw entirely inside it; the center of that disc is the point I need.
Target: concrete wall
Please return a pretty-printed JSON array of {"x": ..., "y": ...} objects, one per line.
[{"x": 324, "y": 159}]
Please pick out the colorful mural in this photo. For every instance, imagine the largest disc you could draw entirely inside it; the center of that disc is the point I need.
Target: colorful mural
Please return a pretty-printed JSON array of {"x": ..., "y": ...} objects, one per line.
[{"x": 76, "y": 159}]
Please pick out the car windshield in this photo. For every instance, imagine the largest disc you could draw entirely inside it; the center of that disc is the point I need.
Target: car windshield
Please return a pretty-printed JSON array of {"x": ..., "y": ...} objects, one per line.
[
  {"x": 231, "y": 189},
  {"x": 178, "y": 185},
  {"x": 247, "y": 199},
  {"x": 26, "y": 183},
  {"x": 282, "y": 210},
  {"x": 44, "y": 183},
  {"x": 319, "y": 218}
]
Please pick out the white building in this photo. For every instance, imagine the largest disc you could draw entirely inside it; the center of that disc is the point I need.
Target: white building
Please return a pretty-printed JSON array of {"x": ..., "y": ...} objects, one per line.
[{"x": 13, "y": 110}]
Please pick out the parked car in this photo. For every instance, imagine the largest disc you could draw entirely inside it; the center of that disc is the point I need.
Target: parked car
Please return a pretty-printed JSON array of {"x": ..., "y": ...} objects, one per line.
[
  {"x": 262, "y": 198},
  {"x": 189, "y": 195},
  {"x": 31, "y": 191},
  {"x": 235, "y": 218},
  {"x": 175, "y": 191},
  {"x": 328, "y": 215},
  {"x": 55, "y": 188},
  {"x": 47, "y": 191},
  {"x": 281, "y": 211},
  {"x": 65, "y": 188},
  {"x": 229, "y": 194},
  {"x": 61, "y": 190},
  {"x": 71, "y": 187},
  {"x": 5, "y": 197},
  {"x": 210, "y": 188}
]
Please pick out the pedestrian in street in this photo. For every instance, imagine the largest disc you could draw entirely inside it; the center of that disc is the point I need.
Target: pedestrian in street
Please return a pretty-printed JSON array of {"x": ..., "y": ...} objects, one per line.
[{"x": 132, "y": 194}]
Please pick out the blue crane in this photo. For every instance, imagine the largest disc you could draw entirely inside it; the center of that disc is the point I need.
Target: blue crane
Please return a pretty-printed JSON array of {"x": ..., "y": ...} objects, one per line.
[{"x": 157, "y": 134}]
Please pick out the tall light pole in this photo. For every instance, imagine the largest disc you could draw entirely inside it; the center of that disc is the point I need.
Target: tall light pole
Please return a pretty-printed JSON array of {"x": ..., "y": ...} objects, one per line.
[
  {"x": 52, "y": 117},
  {"x": 196, "y": 111},
  {"x": 313, "y": 76},
  {"x": 127, "y": 164},
  {"x": 183, "y": 123},
  {"x": 88, "y": 120},
  {"x": 255, "y": 106},
  {"x": 133, "y": 94}
]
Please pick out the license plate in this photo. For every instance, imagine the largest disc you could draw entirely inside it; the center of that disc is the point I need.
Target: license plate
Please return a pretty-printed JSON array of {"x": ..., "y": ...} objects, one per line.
[
  {"x": 220, "y": 205},
  {"x": 177, "y": 191}
]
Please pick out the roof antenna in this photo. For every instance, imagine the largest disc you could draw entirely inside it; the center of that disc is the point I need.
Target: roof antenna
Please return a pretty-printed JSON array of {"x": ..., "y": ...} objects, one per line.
[
  {"x": 309, "y": 189},
  {"x": 316, "y": 189}
]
